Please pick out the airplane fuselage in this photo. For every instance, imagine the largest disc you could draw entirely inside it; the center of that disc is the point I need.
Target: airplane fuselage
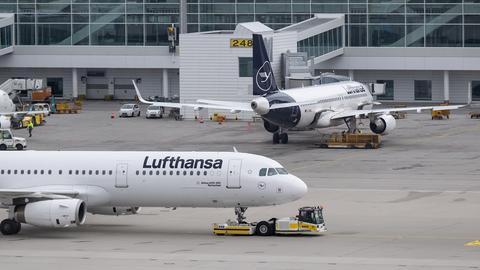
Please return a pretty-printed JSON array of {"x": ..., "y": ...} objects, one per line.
[
  {"x": 334, "y": 97},
  {"x": 163, "y": 179}
]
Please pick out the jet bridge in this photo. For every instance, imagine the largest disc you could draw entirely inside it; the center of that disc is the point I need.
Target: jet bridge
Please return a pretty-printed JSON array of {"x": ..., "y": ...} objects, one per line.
[{"x": 12, "y": 85}]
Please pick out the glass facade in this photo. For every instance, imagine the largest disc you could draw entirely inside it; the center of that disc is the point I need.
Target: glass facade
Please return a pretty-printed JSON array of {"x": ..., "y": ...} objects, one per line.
[
  {"x": 93, "y": 22},
  {"x": 322, "y": 44},
  {"x": 5, "y": 37},
  {"x": 370, "y": 23},
  {"x": 423, "y": 89}
]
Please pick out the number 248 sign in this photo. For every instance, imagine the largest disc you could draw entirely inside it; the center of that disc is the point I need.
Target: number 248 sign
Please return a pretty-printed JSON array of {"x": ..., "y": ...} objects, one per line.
[{"x": 240, "y": 43}]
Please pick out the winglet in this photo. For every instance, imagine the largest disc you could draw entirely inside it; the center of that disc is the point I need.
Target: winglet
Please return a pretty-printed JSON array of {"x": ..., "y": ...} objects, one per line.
[
  {"x": 235, "y": 149},
  {"x": 139, "y": 95}
]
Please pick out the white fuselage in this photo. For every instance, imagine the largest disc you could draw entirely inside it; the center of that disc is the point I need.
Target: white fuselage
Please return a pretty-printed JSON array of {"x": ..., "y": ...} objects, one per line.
[
  {"x": 334, "y": 97},
  {"x": 192, "y": 179},
  {"x": 6, "y": 104}
]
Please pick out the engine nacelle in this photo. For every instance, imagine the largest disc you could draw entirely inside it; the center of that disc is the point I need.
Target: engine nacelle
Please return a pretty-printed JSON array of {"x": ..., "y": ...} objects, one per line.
[
  {"x": 114, "y": 211},
  {"x": 270, "y": 127},
  {"x": 52, "y": 213},
  {"x": 5, "y": 122},
  {"x": 260, "y": 105},
  {"x": 383, "y": 124}
]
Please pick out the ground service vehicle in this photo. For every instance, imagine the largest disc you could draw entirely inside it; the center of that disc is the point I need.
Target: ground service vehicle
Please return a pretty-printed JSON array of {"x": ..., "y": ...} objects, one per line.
[
  {"x": 154, "y": 111},
  {"x": 129, "y": 110},
  {"x": 7, "y": 140},
  {"x": 308, "y": 221}
]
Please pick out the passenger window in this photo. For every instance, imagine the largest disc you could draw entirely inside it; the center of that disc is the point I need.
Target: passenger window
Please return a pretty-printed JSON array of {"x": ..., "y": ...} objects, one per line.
[
  {"x": 263, "y": 172},
  {"x": 205, "y": 173},
  {"x": 83, "y": 172},
  {"x": 70, "y": 172},
  {"x": 28, "y": 171},
  {"x": 164, "y": 172},
  {"x": 49, "y": 171},
  {"x": 184, "y": 172},
  {"x": 21, "y": 171},
  {"x": 137, "y": 172},
  {"x": 97, "y": 172},
  {"x": 171, "y": 172},
  {"x": 104, "y": 172},
  {"x": 90, "y": 172},
  {"x": 178, "y": 172},
  {"x": 41, "y": 171},
  {"x": 77, "y": 172},
  {"x": 60, "y": 172},
  {"x": 144, "y": 172},
  {"x": 2, "y": 171},
  {"x": 158, "y": 172},
  {"x": 151, "y": 173},
  {"x": 271, "y": 171},
  {"x": 198, "y": 172},
  {"x": 14, "y": 171},
  {"x": 110, "y": 172},
  {"x": 34, "y": 171}
]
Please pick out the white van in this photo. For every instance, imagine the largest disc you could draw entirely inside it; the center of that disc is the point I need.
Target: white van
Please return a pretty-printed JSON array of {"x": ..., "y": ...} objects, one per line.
[{"x": 8, "y": 141}]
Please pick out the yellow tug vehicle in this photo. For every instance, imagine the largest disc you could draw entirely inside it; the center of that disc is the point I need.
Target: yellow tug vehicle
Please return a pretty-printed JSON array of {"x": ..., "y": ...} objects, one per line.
[{"x": 309, "y": 221}]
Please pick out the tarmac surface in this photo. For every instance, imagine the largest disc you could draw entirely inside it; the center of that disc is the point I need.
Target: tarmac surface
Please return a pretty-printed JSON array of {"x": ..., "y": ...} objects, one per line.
[{"x": 412, "y": 204}]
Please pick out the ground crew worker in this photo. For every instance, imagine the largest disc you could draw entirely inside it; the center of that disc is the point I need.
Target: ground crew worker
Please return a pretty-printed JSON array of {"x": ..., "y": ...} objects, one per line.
[{"x": 30, "y": 128}]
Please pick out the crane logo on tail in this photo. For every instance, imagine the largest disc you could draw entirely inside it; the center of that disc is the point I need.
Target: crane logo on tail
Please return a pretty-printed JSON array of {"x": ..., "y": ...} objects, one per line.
[{"x": 264, "y": 78}]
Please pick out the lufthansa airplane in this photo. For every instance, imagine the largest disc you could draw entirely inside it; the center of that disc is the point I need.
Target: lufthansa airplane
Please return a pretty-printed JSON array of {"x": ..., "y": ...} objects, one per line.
[
  {"x": 304, "y": 108},
  {"x": 57, "y": 189}
]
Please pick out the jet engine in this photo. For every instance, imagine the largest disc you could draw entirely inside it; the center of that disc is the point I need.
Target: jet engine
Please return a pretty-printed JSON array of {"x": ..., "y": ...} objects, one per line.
[
  {"x": 4, "y": 122},
  {"x": 260, "y": 105},
  {"x": 270, "y": 127},
  {"x": 114, "y": 211},
  {"x": 52, "y": 213},
  {"x": 383, "y": 124}
]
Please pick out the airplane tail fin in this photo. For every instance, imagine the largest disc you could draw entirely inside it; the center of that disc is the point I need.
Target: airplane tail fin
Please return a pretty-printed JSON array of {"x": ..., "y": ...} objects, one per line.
[{"x": 263, "y": 79}]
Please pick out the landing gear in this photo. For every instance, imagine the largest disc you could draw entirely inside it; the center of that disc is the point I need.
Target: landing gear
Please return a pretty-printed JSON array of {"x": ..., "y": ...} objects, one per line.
[
  {"x": 280, "y": 138},
  {"x": 10, "y": 226},
  {"x": 240, "y": 212},
  {"x": 351, "y": 123}
]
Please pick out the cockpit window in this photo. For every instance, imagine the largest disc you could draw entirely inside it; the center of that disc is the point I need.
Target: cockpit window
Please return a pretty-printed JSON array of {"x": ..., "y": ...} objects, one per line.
[
  {"x": 282, "y": 171},
  {"x": 271, "y": 171},
  {"x": 263, "y": 172}
]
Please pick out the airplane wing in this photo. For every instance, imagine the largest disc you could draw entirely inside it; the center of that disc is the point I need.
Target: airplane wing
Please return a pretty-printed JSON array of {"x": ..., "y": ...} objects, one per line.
[
  {"x": 219, "y": 105},
  {"x": 8, "y": 195},
  {"x": 358, "y": 113},
  {"x": 21, "y": 112}
]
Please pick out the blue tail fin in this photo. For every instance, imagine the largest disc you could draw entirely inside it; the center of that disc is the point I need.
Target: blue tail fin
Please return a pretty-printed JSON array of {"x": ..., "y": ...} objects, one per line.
[{"x": 263, "y": 79}]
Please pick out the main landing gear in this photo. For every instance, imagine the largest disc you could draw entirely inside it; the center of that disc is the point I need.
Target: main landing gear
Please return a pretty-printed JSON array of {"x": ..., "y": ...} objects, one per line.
[
  {"x": 280, "y": 137},
  {"x": 10, "y": 226},
  {"x": 240, "y": 212},
  {"x": 351, "y": 123}
]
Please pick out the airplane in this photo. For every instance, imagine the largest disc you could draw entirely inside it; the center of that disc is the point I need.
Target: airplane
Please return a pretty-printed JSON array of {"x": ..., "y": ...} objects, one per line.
[
  {"x": 305, "y": 108},
  {"x": 7, "y": 109},
  {"x": 57, "y": 188}
]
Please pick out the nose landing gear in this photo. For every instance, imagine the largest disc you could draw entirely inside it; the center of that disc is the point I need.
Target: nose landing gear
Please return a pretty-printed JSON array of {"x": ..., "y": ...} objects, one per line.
[
  {"x": 240, "y": 212},
  {"x": 280, "y": 138}
]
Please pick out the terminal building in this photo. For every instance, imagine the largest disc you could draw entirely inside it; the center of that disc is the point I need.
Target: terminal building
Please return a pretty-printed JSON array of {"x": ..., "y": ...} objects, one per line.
[{"x": 423, "y": 50}]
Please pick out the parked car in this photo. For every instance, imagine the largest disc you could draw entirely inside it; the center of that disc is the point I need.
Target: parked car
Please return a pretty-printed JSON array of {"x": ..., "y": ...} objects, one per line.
[
  {"x": 8, "y": 141},
  {"x": 154, "y": 111},
  {"x": 129, "y": 110}
]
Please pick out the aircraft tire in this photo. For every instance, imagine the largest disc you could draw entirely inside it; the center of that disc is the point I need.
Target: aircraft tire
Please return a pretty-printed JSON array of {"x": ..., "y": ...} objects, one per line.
[
  {"x": 264, "y": 229},
  {"x": 276, "y": 138},
  {"x": 9, "y": 227},
  {"x": 284, "y": 138}
]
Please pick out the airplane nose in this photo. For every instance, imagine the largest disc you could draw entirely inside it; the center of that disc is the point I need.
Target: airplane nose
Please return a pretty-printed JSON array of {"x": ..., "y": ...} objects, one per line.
[{"x": 299, "y": 188}]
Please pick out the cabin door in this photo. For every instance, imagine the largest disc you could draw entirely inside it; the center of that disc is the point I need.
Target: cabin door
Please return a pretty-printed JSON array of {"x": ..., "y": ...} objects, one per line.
[
  {"x": 233, "y": 176},
  {"x": 121, "y": 180}
]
